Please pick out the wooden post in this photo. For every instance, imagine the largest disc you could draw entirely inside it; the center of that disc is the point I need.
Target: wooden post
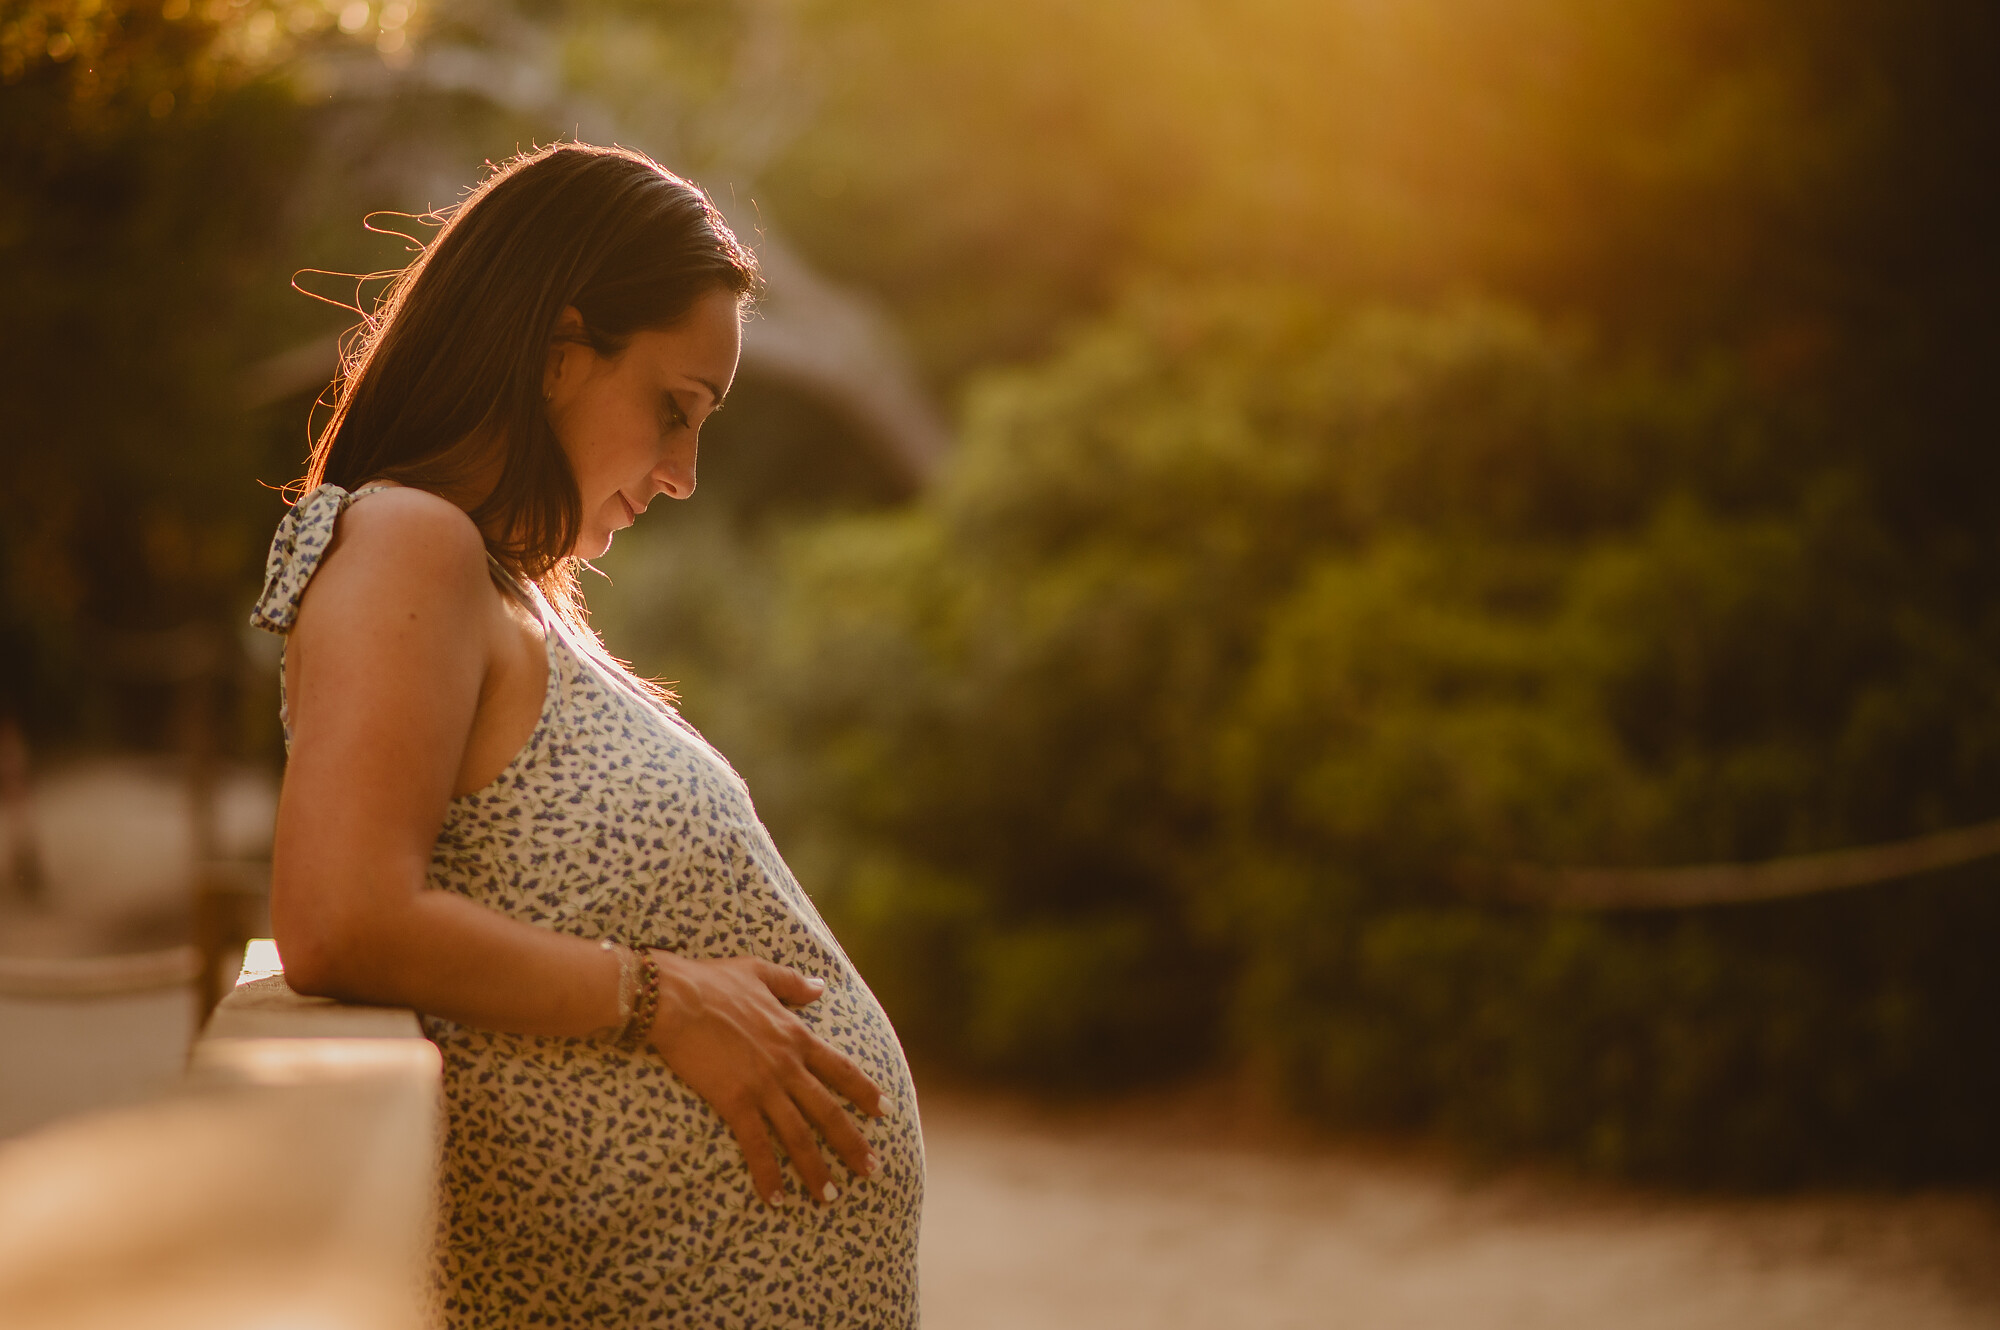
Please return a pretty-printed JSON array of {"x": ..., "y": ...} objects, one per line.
[
  {"x": 201, "y": 660},
  {"x": 25, "y": 881}
]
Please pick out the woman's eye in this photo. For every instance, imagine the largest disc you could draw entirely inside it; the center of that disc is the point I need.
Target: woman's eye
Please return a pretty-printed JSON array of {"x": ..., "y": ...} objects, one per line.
[{"x": 672, "y": 417}]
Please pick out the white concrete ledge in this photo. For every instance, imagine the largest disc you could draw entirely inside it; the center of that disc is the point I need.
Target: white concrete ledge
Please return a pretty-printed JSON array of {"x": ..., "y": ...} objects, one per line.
[
  {"x": 289, "y": 1180},
  {"x": 267, "y": 1008}
]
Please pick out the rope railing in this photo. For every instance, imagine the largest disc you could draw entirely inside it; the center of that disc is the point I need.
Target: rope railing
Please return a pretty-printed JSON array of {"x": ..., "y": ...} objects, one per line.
[{"x": 1731, "y": 883}]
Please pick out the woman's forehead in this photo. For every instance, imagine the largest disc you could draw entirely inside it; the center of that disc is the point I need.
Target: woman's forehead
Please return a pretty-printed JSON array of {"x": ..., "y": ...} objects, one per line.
[{"x": 702, "y": 348}]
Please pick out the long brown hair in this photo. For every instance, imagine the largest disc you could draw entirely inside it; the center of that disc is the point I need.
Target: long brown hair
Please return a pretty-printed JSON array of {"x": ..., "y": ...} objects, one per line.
[{"x": 448, "y": 369}]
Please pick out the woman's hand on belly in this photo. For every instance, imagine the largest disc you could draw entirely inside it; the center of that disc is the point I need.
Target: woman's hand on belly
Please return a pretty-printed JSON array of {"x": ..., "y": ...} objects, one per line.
[{"x": 726, "y": 1030}]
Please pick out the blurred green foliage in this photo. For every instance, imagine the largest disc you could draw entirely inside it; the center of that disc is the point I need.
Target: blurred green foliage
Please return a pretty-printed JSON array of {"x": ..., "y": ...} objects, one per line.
[
  {"x": 1163, "y": 725},
  {"x": 1633, "y": 162},
  {"x": 1162, "y": 728},
  {"x": 161, "y": 178},
  {"x": 142, "y": 163}
]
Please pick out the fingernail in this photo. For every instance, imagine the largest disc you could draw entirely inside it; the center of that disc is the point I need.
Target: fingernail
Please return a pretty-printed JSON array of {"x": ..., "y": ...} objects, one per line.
[
  {"x": 874, "y": 1165},
  {"x": 830, "y": 1192},
  {"x": 774, "y": 1199},
  {"x": 816, "y": 981}
]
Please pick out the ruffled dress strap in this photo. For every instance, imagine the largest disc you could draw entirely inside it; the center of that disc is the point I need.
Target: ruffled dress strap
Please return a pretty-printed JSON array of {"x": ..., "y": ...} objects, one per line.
[{"x": 296, "y": 550}]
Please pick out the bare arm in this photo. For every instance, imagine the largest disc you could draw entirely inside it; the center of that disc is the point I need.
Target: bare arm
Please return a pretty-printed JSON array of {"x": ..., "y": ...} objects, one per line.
[
  {"x": 390, "y": 660},
  {"x": 388, "y": 663}
]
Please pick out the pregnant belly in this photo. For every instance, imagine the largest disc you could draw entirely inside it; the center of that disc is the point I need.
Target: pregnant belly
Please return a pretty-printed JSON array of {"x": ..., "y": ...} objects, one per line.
[{"x": 572, "y": 1156}]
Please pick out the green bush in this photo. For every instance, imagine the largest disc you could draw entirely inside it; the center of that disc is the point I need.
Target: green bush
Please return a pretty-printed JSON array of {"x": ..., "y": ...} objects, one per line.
[
  {"x": 1767, "y": 1045},
  {"x": 1166, "y": 727}
]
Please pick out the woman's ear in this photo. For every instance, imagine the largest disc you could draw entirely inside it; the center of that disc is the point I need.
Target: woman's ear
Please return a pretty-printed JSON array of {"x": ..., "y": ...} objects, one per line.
[{"x": 564, "y": 344}]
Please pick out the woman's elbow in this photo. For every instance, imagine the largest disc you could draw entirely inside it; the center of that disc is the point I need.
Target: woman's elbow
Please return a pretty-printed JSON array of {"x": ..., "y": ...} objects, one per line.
[
  {"x": 324, "y": 953},
  {"x": 308, "y": 968},
  {"x": 312, "y": 967}
]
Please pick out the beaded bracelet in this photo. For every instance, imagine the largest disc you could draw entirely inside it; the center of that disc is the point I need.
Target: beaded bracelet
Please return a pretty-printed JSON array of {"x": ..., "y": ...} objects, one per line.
[{"x": 645, "y": 1006}]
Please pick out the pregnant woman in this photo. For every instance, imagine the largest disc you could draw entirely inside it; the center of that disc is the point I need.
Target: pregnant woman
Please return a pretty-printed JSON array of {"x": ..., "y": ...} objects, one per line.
[{"x": 671, "y": 1100}]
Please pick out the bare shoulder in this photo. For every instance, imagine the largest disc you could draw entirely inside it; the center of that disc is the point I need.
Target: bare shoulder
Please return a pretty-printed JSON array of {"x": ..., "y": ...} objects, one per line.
[
  {"x": 403, "y": 525},
  {"x": 401, "y": 551}
]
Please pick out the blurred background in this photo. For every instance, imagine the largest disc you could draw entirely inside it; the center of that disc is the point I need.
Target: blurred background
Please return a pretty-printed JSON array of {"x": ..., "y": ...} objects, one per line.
[{"x": 1213, "y": 490}]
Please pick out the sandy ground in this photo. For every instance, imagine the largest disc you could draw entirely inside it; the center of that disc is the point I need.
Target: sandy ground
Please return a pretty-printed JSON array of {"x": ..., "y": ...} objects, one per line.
[{"x": 1128, "y": 1217}]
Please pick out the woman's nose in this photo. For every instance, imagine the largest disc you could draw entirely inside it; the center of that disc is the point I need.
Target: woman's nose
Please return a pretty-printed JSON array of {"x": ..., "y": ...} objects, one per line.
[{"x": 675, "y": 473}]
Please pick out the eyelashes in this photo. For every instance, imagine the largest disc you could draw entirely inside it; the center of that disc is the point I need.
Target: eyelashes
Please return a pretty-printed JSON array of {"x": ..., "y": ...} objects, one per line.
[{"x": 671, "y": 415}]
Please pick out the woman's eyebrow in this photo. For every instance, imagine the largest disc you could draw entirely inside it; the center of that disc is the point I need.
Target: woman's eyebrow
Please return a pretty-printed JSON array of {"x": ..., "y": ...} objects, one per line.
[{"x": 714, "y": 393}]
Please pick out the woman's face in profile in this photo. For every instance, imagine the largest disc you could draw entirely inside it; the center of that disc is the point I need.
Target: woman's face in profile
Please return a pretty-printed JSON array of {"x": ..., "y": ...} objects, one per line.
[{"x": 629, "y": 422}]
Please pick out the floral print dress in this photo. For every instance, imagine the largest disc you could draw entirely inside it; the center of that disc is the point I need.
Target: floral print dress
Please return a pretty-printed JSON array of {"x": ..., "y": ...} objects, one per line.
[{"x": 586, "y": 1186}]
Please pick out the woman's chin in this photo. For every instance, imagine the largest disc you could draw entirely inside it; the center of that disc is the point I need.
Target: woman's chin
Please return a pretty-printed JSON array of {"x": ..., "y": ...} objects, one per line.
[{"x": 592, "y": 545}]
